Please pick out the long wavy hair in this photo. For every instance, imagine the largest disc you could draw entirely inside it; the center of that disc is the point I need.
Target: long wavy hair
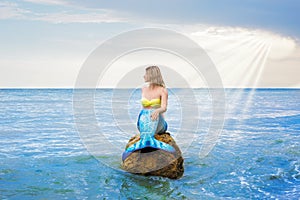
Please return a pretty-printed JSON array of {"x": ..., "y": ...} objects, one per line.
[{"x": 154, "y": 76}]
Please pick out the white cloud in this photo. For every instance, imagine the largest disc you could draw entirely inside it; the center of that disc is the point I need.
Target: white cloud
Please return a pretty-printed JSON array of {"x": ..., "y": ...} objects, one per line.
[
  {"x": 77, "y": 15},
  {"x": 11, "y": 10},
  {"x": 64, "y": 17},
  {"x": 243, "y": 57},
  {"x": 250, "y": 57},
  {"x": 281, "y": 46},
  {"x": 49, "y": 2}
]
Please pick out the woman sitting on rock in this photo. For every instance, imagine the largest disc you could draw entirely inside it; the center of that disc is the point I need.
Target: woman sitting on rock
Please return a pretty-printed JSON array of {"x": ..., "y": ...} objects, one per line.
[{"x": 151, "y": 120}]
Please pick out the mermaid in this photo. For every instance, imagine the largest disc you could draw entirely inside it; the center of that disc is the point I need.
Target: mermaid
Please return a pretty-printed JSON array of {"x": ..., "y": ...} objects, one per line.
[{"x": 151, "y": 120}]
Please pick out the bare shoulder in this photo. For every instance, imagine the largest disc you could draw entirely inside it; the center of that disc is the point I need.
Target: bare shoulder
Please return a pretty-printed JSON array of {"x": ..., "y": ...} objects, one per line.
[
  {"x": 164, "y": 90},
  {"x": 145, "y": 90},
  {"x": 144, "y": 87}
]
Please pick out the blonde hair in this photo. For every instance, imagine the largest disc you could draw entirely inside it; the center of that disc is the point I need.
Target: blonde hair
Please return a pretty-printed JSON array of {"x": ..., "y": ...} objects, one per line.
[{"x": 154, "y": 76}]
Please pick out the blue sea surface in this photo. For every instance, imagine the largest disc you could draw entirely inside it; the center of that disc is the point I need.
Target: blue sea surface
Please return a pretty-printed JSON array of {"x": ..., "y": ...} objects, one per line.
[{"x": 43, "y": 155}]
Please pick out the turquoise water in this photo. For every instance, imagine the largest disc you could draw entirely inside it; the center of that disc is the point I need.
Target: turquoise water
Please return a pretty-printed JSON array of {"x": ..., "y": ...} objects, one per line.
[{"x": 257, "y": 155}]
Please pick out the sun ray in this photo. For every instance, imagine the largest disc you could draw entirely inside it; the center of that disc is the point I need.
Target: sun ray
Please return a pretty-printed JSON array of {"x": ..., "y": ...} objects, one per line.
[
  {"x": 251, "y": 62},
  {"x": 234, "y": 66},
  {"x": 230, "y": 45},
  {"x": 256, "y": 79},
  {"x": 232, "y": 49},
  {"x": 249, "y": 68}
]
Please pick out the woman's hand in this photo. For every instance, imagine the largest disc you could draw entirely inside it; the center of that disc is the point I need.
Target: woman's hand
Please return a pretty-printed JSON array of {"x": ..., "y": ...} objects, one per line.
[{"x": 155, "y": 114}]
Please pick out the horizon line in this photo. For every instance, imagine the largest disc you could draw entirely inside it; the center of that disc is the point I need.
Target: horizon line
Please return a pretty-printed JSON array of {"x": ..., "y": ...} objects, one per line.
[{"x": 126, "y": 88}]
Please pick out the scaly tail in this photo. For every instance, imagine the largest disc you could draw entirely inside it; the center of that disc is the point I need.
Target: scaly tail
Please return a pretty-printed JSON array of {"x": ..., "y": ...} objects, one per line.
[{"x": 147, "y": 129}]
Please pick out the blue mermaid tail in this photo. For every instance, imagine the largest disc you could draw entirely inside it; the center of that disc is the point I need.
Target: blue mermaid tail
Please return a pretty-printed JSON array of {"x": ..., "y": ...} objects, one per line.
[{"x": 148, "y": 128}]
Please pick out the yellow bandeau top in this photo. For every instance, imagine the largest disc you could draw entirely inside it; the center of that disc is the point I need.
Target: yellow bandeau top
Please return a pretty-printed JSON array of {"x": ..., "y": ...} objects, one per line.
[{"x": 153, "y": 102}]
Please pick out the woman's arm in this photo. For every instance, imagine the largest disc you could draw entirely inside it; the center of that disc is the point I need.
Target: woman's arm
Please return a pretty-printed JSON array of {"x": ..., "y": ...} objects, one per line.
[
  {"x": 163, "y": 104},
  {"x": 164, "y": 101}
]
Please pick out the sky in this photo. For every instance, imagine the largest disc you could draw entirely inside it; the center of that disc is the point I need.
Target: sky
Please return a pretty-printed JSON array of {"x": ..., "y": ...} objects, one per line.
[{"x": 252, "y": 43}]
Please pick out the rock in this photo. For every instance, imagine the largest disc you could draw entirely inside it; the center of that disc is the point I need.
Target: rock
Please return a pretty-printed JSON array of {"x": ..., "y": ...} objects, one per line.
[{"x": 155, "y": 162}]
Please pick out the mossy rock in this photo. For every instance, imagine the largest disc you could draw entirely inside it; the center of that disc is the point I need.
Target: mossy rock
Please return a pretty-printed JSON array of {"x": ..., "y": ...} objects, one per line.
[{"x": 155, "y": 162}]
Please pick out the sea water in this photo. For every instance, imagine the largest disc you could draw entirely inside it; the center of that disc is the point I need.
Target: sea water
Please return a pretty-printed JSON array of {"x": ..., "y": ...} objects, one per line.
[{"x": 43, "y": 155}]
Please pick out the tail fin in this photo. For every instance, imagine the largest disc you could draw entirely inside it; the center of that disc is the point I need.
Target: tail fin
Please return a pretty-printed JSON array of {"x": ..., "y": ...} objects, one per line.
[
  {"x": 147, "y": 129},
  {"x": 147, "y": 142}
]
